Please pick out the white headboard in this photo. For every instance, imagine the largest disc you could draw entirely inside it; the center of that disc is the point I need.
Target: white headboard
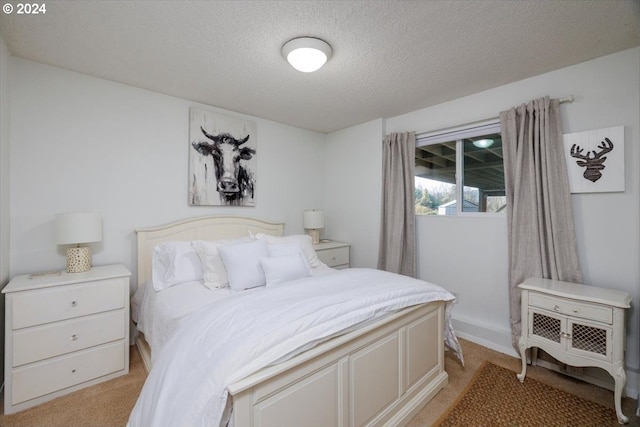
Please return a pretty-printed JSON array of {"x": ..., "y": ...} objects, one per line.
[{"x": 201, "y": 228}]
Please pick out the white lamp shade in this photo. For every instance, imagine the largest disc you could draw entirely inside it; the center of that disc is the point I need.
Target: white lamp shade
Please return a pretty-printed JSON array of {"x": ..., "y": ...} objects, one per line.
[
  {"x": 313, "y": 219},
  {"x": 78, "y": 227},
  {"x": 306, "y": 54}
]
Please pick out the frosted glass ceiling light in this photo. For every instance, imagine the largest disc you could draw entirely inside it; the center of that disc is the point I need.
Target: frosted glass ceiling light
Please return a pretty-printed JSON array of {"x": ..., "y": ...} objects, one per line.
[
  {"x": 483, "y": 143},
  {"x": 306, "y": 54}
]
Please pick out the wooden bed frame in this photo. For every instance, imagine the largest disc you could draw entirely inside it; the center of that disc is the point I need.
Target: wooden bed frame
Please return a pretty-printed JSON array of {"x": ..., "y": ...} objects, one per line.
[{"x": 380, "y": 374}]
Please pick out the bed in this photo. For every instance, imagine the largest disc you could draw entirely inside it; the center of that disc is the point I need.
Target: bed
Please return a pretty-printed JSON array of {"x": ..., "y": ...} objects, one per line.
[{"x": 378, "y": 371}]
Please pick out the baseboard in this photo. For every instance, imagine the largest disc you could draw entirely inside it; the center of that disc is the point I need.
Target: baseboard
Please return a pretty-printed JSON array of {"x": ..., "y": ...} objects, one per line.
[
  {"x": 499, "y": 339},
  {"x": 145, "y": 352},
  {"x": 596, "y": 376}
]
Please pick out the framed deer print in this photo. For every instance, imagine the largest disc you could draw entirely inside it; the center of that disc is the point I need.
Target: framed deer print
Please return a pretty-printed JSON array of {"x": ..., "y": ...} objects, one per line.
[
  {"x": 222, "y": 160},
  {"x": 595, "y": 160}
]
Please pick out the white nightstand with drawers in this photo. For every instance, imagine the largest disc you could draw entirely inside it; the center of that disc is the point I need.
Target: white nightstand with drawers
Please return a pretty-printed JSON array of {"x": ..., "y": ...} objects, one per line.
[
  {"x": 64, "y": 332},
  {"x": 334, "y": 254}
]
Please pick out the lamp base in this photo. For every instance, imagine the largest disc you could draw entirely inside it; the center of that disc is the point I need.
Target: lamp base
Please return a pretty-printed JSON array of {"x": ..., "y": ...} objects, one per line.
[
  {"x": 78, "y": 260},
  {"x": 315, "y": 236}
]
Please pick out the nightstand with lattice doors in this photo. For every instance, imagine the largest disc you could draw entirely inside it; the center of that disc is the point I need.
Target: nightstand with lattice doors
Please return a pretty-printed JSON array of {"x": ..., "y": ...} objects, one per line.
[{"x": 576, "y": 324}]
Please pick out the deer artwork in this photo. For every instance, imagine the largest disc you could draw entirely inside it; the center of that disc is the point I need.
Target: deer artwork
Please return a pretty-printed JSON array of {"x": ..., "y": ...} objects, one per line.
[{"x": 593, "y": 164}]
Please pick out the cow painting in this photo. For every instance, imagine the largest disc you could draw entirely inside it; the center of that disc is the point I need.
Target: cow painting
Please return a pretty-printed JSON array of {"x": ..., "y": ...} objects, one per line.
[
  {"x": 233, "y": 181},
  {"x": 222, "y": 162}
]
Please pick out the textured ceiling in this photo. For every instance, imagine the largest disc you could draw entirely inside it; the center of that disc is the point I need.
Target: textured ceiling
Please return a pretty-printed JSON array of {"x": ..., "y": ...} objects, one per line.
[{"x": 389, "y": 57}]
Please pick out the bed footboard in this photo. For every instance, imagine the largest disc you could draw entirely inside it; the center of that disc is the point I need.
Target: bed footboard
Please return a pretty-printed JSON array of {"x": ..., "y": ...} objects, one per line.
[{"x": 382, "y": 374}]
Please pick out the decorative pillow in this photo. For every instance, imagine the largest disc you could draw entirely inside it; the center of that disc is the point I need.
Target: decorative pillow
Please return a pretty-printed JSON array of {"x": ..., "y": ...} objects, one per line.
[
  {"x": 214, "y": 272},
  {"x": 304, "y": 240},
  {"x": 281, "y": 269},
  {"x": 242, "y": 261},
  {"x": 174, "y": 263}
]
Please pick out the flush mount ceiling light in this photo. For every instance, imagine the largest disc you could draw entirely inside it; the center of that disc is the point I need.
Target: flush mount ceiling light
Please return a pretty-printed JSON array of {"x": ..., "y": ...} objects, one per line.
[
  {"x": 306, "y": 54},
  {"x": 483, "y": 143}
]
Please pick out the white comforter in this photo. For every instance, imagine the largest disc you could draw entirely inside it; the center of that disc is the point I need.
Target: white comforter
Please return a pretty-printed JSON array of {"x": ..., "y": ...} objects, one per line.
[{"x": 230, "y": 339}]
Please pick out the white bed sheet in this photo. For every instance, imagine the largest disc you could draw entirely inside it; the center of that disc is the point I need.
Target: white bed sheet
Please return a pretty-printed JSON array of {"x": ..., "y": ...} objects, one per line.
[{"x": 159, "y": 314}]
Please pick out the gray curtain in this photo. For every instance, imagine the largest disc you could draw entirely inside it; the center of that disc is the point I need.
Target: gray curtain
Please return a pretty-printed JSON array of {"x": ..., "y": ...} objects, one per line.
[
  {"x": 398, "y": 228},
  {"x": 541, "y": 234}
]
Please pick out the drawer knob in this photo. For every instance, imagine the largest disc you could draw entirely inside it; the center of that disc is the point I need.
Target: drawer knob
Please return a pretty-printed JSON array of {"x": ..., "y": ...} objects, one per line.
[
  {"x": 74, "y": 303},
  {"x": 73, "y": 371},
  {"x": 556, "y": 308},
  {"x": 74, "y": 337}
]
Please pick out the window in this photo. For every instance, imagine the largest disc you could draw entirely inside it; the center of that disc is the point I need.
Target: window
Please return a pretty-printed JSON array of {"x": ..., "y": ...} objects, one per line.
[{"x": 460, "y": 164}]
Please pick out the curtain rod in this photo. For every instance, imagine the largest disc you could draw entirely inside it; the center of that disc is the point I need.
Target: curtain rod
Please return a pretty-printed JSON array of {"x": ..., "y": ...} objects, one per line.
[{"x": 566, "y": 99}]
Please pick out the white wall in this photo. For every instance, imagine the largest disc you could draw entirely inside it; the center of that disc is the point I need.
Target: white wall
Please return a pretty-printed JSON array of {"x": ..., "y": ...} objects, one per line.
[
  {"x": 4, "y": 186},
  {"x": 352, "y": 192},
  {"x": 83, "y": 143},
  {"x": 469, "y": 255}
]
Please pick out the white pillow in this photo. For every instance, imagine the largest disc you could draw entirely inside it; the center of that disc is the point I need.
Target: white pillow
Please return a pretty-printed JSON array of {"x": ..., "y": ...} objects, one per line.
[
  {"x": 242, "y": 261},
  {"x": 214, "y": 272},
  {"x": 281, "y": 269},
  {"x": 284, "y": 249},
  {"x": 304, "y": 240},
  {"x": 174, "y": 263}
]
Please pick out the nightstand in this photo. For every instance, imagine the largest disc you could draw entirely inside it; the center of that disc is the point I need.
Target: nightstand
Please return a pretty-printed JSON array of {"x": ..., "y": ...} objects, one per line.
[
  {"x": 576, "y": 324},
  {"x": 64, "y": 332},
  {"x": 334, "y": 254}
]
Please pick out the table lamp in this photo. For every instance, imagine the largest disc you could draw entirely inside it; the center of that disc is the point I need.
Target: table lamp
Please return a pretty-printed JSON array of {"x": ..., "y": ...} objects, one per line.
[
  {"x": 74, "y": 228},
  {"x": 313, "y": 220}
]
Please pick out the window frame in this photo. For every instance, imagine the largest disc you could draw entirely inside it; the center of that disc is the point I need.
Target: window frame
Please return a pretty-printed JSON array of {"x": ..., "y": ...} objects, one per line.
[{"x": 458, "y": 134}]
